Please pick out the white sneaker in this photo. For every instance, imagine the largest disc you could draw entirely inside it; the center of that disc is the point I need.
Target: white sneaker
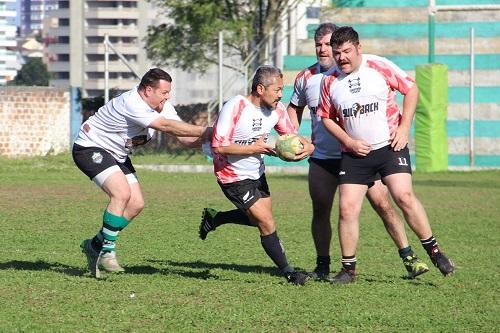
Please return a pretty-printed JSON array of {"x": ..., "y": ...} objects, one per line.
[{"x": 108, "y": 262}]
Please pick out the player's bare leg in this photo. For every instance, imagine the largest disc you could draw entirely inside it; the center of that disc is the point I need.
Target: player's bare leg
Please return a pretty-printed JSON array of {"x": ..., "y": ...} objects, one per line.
[
  {"x": 401, "y": 189},
  {"x": 351, "y": 200},
  {"x": 378, "y": 196}
]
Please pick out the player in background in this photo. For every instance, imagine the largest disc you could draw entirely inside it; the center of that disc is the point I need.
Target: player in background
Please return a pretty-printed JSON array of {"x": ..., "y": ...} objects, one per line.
[
  {"x": 324, "y": 166},
  {"x": 101, "y": 152},
  {"x": 239, "y": 142},
  {"x": 358, "y": 106}
]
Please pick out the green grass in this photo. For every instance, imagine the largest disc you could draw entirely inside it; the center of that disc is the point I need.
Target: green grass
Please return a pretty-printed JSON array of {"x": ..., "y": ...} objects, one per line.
[{"x": 227, "y": 283}]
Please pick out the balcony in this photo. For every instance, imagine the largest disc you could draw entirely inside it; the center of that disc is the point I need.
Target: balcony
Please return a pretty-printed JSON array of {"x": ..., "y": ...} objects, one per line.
[
  {"x": 59, "y": 66},
  {"x": 115, "y": 31},
  {"x": 58, "y": 48},
  {"x": 120, "y": 47},
  {"x": 122, "y": 84},
  {"x": 112, "y": 13},
  {"x": 114, "y": 66}
]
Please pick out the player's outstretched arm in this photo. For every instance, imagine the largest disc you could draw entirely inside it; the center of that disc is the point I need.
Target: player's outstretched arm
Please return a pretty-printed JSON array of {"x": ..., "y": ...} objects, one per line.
[{"x": 180, "y": 128}]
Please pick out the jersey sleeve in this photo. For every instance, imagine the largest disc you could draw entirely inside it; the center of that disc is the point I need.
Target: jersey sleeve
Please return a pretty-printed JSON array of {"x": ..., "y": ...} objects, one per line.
[
  {"x": 229, "y": 115},
  {"x": 326, "y": 108},
  {"x": 299, "y": 94},
  {"x": 136, "y": 110},
  {"x": 396, "y": 78},
  {"x": 169, "y": 112},
  {"x": 284, "y": 124}
]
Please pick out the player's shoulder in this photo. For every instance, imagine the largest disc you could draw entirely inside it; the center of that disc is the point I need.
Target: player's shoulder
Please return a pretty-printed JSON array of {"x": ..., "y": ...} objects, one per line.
[
  {"x": 308, "y": 72},
  {"x": 376, "y": 62}
]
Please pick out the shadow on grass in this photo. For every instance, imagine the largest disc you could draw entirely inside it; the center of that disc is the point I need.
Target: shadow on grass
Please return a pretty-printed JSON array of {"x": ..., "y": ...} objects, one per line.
[
  {"x": 192, "y": 269},
  {"x": 42, "y": 266},
  {"x": 370, "y": 278}
]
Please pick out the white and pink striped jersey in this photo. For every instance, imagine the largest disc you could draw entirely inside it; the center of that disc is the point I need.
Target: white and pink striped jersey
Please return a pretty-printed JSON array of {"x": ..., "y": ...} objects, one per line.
[
  {"x": 364, "y": 103},
  {"x": 240, "y": 122},
  {"x": 306, "y": 91}
]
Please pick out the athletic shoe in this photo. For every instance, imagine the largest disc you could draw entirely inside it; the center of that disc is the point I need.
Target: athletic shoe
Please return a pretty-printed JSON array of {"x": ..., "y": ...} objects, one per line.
[
  {"x": 414, "y": 266},
  {"x": 92, "y": 257},
  {"x": 442, "y": 262},
  {"x": 207, "y": 223},
  {"x": 320, "y": 273},
  {"x": 297, "y": 278},
  {"x": 108, "y": 262},
  {"x": 344, "y": 276}
]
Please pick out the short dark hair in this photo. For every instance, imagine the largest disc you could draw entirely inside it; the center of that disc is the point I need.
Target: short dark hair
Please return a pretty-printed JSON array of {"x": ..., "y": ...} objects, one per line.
[
  {"x": 264, "y": 75},
  {"x": 151, "y": 78},
  {"x": 343, "y": 35},
  {"x": 324, "y": 29}
]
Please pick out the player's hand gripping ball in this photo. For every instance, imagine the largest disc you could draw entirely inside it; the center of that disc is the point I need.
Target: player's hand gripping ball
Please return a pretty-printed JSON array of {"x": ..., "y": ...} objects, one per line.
[{"x": 287, "y": 146}]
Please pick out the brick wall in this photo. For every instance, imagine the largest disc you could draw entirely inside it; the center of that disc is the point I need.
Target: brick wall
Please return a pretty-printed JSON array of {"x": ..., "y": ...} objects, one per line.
[{"x": 34, "y": 121}]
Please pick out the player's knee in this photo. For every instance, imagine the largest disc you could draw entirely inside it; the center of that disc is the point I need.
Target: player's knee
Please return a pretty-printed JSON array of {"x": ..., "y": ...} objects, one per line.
[
  {"x": 382, "y": 205},
  {"x": 136, "y": 205},
  {"x": 405, "y": 200},
  {"x": 348, "y": 211},
  {"x": 123, "y": 197}
]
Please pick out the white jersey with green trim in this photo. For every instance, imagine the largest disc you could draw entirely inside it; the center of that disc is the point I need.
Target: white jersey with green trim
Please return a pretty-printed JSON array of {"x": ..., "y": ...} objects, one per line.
[{"x": 119, "y": 125}]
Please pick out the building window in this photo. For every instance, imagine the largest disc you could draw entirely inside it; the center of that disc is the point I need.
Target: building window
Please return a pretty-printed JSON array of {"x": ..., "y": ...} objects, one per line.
[{"x": 312, "y": 12}]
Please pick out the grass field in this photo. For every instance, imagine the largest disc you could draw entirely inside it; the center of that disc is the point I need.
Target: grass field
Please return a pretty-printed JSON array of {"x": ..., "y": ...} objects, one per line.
[{"x": 227, "y": 283}]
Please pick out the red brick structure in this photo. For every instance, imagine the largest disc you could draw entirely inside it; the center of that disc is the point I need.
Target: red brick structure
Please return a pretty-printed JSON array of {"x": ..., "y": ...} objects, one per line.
[{"x": 34, "y": 121}]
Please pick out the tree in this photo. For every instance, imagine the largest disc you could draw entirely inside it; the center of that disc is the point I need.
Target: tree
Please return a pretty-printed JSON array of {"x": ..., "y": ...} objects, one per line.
[
  {"x": 189, "y": 41},
  {"x": 33, "y": 73}
]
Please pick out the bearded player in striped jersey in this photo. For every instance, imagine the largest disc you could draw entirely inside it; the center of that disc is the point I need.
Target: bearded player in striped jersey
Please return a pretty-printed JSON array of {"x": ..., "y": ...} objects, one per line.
[
  {"x": 239, "y": 142},
  {"x": 358, "y": 106}
]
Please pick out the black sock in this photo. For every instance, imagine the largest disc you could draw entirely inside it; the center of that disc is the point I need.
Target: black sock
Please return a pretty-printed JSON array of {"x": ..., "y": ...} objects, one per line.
[
  {"x": 405, "y": 252},
  {"x": 430, "y": 245},
  {"x": 235, "y": 216},
  {"x": 275, "y": 250},
  {"x": 349, "y": 263},
  {"x": 323, "y": 261}
]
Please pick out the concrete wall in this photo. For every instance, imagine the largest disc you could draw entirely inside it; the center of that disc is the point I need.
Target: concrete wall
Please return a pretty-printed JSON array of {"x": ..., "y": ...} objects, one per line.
[{"x": 34, "y": 121}]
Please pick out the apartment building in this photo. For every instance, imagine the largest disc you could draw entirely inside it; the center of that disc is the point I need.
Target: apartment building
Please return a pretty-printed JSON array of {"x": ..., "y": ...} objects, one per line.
[
  {"x": 8, "y": 57},
  {"x": 32, "y": 15},
  {"x": 76, "y": 46}
]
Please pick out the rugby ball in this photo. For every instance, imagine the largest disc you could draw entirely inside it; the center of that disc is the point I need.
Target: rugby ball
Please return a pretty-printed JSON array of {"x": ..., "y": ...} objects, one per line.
[{"x": 287, "y": 146}]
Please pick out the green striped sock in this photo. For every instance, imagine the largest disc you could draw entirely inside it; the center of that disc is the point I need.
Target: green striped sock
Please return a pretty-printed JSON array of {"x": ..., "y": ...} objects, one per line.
[{"x": 111, "y": 226}]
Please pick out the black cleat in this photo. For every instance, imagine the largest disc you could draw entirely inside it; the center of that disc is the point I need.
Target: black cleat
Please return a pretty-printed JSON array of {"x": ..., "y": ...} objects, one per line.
[
  {"x": 207, "y": 223},
  {"x": 344, "y": 276},
  {"x": 297, "y": 278},
  {"x": 320, "y": 273},
  {"x": 442, "y": 262}
]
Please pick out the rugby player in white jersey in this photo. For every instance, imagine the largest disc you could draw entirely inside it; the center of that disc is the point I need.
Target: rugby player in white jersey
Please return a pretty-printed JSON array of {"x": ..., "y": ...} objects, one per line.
[
  {"x": 324, "y": 166},
  {"x": 101, "y": 152},
  {"x": 358, "y": 106},
  {"x": 239, "y": 142}
]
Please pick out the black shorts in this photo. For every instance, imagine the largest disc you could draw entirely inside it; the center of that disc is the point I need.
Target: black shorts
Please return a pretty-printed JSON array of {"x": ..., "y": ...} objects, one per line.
[
  {"x": 94, "y": 161},
  {"x": 331, "y": 165},
  {"x": 378, "y": 163},
  {"x": 244, "y": 193}
]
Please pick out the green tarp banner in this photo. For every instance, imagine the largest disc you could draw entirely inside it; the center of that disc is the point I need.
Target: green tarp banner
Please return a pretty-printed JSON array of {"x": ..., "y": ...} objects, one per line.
[{"x": 431, "y": 139}]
